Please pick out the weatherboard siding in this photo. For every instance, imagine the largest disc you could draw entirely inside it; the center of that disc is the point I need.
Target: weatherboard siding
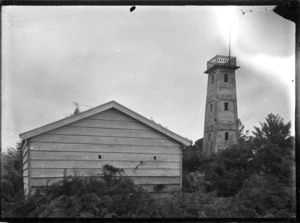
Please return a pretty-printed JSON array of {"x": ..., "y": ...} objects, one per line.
[
  {"x": 101, "y": 131},
  {"x": 150, "y": 158},
  {"x": 107, "y": 156},
  {"x": 102, "y": 140},
  {"x": 70, "y": 164},
  {"x": 42, "y": 146},
  {"x": 57, "y": 172},
  {"x": 144, "y": 180}
]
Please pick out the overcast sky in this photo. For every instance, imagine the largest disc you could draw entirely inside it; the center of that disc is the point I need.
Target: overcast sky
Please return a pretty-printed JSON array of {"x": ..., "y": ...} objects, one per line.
[{"x": 151, "y": 60}]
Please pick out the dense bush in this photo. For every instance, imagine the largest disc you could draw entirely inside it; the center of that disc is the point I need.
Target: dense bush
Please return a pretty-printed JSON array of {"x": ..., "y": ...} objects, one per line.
[
  {"x": 258, "y": 174},
  {"x": 11, "y": 180},
  {"x": 254, "y": 179},
  {"x": 192, "y": 156},
  {"x": 265, "y": 196},
  {"x": 195, "y": 205},
  {"x": 107, "y": 196}
]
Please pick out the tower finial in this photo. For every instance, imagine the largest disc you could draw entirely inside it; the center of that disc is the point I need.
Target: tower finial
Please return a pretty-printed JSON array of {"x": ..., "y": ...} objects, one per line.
[{"x": 229, "y": 42}]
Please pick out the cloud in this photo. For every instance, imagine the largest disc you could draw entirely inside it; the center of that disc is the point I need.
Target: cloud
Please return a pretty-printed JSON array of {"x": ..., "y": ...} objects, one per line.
[{"x": 152, "y": 61}]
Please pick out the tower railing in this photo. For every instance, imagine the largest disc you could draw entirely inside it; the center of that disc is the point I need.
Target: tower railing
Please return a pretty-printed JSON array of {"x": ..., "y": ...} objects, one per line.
[{"x": 221, "y": 60}]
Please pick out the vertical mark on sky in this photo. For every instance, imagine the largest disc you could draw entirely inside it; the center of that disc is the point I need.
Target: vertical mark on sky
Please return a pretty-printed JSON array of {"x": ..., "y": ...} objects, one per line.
[
  {"x": 84, "y": 48},
  {"x": 200, "y": 110}
]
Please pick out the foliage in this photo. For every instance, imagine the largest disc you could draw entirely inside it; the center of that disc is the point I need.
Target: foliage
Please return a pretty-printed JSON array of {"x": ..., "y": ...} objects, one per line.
[
  {"x": 226, "y": 170},
  {"x": 108, "y": 196},
  {"x": 258, "y": 174},
  {"x": 192, "y": 156},
  {"x": 265, "y": 196},
  {"x": 11, "y": 179},
  {"x": 242, "y": 134},
  {"x": 273, "y": 131},
  {"x": 276, "y": 161},
  {"x": 193, "y": 182},
  {"x": 253, "y": 179},
  {"x": 194, "y": 205}
]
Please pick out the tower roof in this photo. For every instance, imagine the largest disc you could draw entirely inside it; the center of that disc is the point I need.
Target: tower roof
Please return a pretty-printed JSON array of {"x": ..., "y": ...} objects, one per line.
[{"x": 220, "y": 61}]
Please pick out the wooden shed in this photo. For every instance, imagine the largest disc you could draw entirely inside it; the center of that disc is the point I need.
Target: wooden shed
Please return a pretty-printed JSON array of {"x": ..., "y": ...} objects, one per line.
[{"x": 108, "y": 134}]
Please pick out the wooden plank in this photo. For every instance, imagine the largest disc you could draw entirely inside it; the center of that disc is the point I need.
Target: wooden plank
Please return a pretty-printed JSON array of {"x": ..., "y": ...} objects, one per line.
[
  {"x": 104, "y": 148},
  {"x": 25, "y": 151},
  {"x": 112, "y": 114},
  {"x": 103, "y": 140},
  {"x": 23, "y": 145},
  {"x": 110, "y": 124},
  {"x": 25, "y": 161},
  {"x": 153, "y": 189},
  {"x": 137, "y": 180},
  {"x": 182, "y": 147},
  {"x": 94, "y": 172},
  {"x": 25, "y": 181},
  {"x": 25, "y": 158},
  {"x": 50, "y": 155},
  {"x": 25, "y": 185},
  {"x": 70, "y": 130},
  {"x": 99, "y": 164},
  {"x": 25, "y": 166},
  {"x": 29, "y": 171},
  {"x": 24, "y": 154}
]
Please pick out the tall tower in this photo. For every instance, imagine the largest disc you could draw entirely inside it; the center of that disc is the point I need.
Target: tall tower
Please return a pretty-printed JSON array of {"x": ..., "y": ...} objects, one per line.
[{"x": 220, "y": 126}]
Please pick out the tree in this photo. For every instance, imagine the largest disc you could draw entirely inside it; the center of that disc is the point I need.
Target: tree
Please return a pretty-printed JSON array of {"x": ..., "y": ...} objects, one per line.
[
  {"x": 274, "y": 131},
  {"x": 192, "y": 156},
  {"x": 242, "y": 135},
  {"x": 226, "y": 170},
  {"x": 274, "y": 148},
  {"x": 199, "y": 145},
  {"x": 103, "y": 196},
  {"x": 264, "y": 196},
  {"x": 11, "y": 179}
]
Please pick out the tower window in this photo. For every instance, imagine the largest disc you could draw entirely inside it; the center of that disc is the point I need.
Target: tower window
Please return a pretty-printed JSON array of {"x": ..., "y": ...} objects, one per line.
[
  {"x": 225, "y": 77},
  {"x": 209, "y": 136},
  {"x": 226, "y": 136},
  {"x": 210, "y": 107},
  {"x": 212, "y": 79},
  {"x": 226, "y": 106}
]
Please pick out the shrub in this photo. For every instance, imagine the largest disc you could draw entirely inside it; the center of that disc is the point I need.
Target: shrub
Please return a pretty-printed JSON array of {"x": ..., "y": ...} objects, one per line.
[
  {"x": 11, "y": 180},
  {"x": 111, "y": 195}
]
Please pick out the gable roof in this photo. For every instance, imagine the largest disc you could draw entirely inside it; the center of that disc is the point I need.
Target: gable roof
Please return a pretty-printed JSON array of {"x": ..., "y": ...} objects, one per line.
[{"x": 101, "y": 108}]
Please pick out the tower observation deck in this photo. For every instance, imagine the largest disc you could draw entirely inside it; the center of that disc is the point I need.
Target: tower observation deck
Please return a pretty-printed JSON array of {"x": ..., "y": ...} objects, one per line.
[{"x": 220, "y": 61}]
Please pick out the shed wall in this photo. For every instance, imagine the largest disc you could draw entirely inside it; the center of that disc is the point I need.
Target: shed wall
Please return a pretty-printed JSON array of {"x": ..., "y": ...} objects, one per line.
[{"x": 144, "y": 154}]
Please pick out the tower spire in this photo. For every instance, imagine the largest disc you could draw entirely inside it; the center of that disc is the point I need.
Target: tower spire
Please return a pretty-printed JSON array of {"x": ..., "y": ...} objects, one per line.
[{"x": 229, "y": 42}]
